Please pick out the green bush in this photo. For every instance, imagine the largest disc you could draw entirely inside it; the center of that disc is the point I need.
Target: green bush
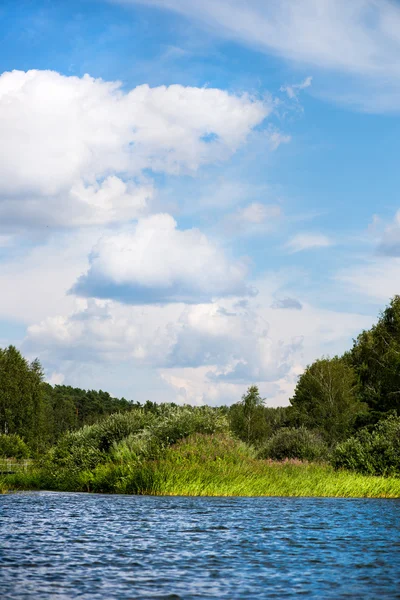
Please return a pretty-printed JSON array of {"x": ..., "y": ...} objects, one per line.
[
  {"x": 128, "y": 437},
  {"x": 86, "y": 448},
  {"x": 12, "y": 446},
  {"x": 175, "y": 424},
  {"x": 374, "y": 451},
  {"x": 184, "y": 421},
  {"x": 290, "y": 442}
]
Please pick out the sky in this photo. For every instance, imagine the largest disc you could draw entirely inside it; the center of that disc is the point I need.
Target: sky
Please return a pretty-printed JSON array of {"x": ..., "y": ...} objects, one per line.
[{"x": 196, "y": 195}]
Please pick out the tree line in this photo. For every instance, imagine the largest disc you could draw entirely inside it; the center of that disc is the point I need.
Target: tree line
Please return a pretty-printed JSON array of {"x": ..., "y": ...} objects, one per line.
[
  {"x": 39, "y": 413},
  {"x": 335, "y": 398}
]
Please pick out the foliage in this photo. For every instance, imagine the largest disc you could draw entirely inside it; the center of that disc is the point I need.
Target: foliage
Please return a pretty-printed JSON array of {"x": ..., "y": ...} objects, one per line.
[
  {"x": 247, "y": 417},
  {"x": 88, "y": 440},
  {"x": 327, "y": 398},
  {"x": 13, "y": 446},
  {"x": 375, "y": 356},
  {"x": 125, "y": 439},
  {"x": 87, "y": 447},
  {"x": 291, "y": 442},
  {"x": 67, "y": 409},
  {"x": 215, "y": 465},
  {"x": 374, "y": 451},
  {"x": 20, "y": 396},
  {"x": 40, "y": 413}
]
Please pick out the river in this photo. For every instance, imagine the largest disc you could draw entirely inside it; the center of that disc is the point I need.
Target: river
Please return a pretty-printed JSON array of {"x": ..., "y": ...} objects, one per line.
[{"x": 61, "y": 545}]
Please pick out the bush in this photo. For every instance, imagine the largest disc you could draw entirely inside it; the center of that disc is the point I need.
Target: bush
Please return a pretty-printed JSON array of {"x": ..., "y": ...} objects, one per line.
[
  {"x": 290, "y": 442},
  {"x": 12, "y": 446},
  {"x": 374, "y": 452},
  {"x": 184, "y": 421},
  {"x": 89, "y": 446},
  {"x": 129, "y": 437},
  {"x": 175, "y": 424}
]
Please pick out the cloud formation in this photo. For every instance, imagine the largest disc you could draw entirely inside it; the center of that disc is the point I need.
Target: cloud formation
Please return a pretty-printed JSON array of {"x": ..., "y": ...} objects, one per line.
[
  {"x": 155, "y": 262},
  {"x": 206, "y": 352},
  {"x": 293, "y": 90},
  {"x": 353, "y": 36},
  {"x": 389, "y": 243},
  {"x": 357, "y": 38},
  {"x": 307, "y": 241},
  {"x": 74, "y": 150}
]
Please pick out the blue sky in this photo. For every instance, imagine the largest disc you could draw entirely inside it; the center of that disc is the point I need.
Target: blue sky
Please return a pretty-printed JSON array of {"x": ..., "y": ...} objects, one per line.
[{"x": 196, "y": 196}]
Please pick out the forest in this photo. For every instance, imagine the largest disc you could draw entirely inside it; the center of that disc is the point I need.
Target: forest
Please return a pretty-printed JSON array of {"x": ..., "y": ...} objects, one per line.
[{"x": 340, "y": 435}]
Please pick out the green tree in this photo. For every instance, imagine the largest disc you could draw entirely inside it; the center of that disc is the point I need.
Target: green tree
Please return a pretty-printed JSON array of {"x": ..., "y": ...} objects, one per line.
[
  {"x": 375, "y": 356},
  {"x": 326, "y": 398},
  {"x": 247, "y": 417},
  {"x": 20, "y": 396}
]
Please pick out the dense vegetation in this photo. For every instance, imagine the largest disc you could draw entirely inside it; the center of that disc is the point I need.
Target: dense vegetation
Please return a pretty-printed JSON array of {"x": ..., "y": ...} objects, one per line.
[{"x": 339, "y": 436}]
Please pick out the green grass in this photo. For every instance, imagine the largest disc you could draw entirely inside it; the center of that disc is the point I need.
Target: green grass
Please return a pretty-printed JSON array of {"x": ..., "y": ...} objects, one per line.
[{"x": 217, "y": 465}]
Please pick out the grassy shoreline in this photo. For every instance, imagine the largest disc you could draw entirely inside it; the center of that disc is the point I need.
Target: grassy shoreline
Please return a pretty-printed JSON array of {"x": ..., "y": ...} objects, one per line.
[{"x": 210, "y": 466}]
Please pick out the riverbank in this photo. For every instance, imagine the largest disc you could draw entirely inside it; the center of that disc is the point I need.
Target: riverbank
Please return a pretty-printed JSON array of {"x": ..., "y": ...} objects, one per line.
[{"x": 210, "y": 466}]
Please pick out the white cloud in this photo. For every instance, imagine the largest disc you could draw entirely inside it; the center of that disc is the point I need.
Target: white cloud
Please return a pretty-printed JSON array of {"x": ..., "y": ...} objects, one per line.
[
  {"x": 203, "y": 353},
  {"x": 258, "y": 213},
  {"x": 253, "y": 219},
  {"x": 104, "y": 331},
  {"x": 5, "y": 241},
  {"x": 389, "y": 242},
  {"x": 376, "y": 279},
  {"x": 293, "y": 90},
  {"x": 363, "y": 35},
  {"x": 360, "y": 38},
  {"x": 307, "y": 241},
  {"x": 155, "y": 262},
  {"x": 276, "y": 138},
  {"x": 56, "y": 379},
  {"x": 35, "y": 280},
  {"x": 74, "y": 149}
]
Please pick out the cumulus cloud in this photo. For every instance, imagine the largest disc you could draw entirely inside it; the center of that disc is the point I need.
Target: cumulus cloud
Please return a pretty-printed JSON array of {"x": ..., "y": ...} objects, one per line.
[
  {"x": 103, "y": 331},
  {"x": 155, "y": 262},
  {"x": 74, "y": 149},
  {"x": 34, "y": 281},
  {"x": 234, "y": 345},
  {"x": 203, "y": 353},
  {"x": 307, "y": 241}
]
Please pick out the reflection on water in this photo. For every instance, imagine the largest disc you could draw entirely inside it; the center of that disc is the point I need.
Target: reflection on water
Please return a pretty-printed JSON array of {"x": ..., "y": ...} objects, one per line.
[{"x": 58, "y": 545}]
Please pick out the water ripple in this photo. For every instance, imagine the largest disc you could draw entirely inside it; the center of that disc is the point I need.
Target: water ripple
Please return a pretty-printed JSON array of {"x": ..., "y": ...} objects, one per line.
[{"x": 59, "y": 546}]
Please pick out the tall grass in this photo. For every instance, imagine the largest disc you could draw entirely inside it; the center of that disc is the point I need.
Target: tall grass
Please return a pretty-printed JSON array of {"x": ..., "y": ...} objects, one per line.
[
  {"x": 213, "y": 465},
  {"x": 204, "y": 466}
]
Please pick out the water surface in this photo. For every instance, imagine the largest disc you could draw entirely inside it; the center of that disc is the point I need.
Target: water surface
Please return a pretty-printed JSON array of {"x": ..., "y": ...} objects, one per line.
[{"x": 60, "y": 545}]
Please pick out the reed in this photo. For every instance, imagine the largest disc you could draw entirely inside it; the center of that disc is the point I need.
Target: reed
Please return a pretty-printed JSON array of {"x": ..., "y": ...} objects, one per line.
[
  {"x": 213, "y": 465},
  {"x": 220, "y": 467}
]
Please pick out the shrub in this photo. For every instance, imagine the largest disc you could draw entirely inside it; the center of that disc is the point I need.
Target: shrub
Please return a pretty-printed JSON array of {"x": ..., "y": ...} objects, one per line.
[
  {"x": 89, "y": 446},
  {"x": 375, "y": 451},
  {"x": 175, "y": 424},
  {"x": 290, "y": 442},
  {"x": 12, "y": 446},
  {"x": 131, "y": 436},
  {"x": 184, "y": 421}
]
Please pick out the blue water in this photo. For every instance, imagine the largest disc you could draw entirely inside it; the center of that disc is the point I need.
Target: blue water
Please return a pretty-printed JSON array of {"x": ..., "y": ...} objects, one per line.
[{"x": 59, "y": 545}]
